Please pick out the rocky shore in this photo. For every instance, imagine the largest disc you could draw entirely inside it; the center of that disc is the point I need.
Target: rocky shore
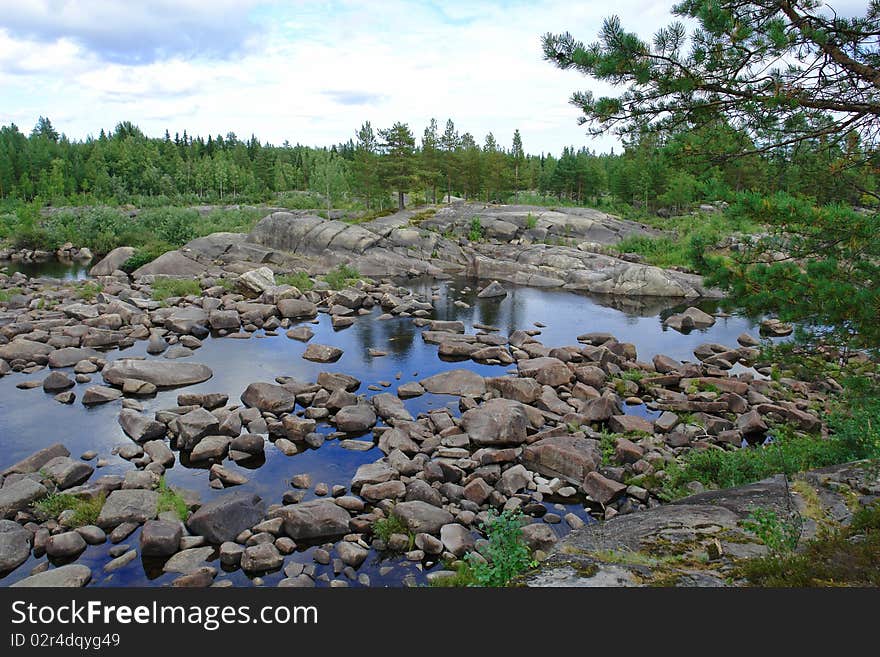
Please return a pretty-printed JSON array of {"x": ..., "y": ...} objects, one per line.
[
  {"x": 517, "y": 244},
  {"x": 556, "y": 427}
]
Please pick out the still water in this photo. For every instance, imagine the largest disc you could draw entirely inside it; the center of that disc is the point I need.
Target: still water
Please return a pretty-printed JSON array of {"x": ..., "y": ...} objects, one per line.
[{"x": 31, "y": 419}]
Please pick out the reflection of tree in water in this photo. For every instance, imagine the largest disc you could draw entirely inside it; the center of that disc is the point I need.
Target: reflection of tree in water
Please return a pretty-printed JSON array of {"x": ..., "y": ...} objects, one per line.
[{"x": 398, "y": 334}]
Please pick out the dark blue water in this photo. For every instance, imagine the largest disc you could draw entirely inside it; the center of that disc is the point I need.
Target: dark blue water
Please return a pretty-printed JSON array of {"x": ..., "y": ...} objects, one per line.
[
  {"x": 73, "y": 270},
  {"x": 31, "y": 419}
]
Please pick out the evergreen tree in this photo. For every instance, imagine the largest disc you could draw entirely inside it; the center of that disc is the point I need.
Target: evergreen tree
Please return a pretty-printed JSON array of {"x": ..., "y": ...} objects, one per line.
[
  {"x": 517, "y": 155},
  {"x": 398, "y": 165}
]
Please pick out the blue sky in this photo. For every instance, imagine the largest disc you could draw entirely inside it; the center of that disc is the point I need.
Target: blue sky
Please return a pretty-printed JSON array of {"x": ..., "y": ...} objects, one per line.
[{"x": 307, "y": 72}]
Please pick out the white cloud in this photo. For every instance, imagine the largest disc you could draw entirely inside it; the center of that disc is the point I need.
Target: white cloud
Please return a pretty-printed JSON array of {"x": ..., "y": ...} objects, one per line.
[{"x": 307, "y": 72}]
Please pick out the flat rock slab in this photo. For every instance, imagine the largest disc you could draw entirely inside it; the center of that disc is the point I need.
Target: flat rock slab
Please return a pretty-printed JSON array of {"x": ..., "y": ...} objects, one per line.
[
  {"x": 580, "y": 559},
  {"x": 160, "y": 374},
  {"x": 70, "y": 576},
  {"x": 132, "y": 505},
  {"x": 455, "y": 382},
  {"x": 188, "y": 561}
]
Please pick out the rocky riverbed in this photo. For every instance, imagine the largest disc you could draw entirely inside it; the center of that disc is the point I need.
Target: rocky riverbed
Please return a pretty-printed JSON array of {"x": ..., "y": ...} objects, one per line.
[{"x": 257, "y": 433}]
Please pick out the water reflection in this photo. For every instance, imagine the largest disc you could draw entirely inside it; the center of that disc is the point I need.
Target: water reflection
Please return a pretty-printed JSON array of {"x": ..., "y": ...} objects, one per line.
[
  {"x": 31, "y": 419},
  {"x": 65, "y": 270}
]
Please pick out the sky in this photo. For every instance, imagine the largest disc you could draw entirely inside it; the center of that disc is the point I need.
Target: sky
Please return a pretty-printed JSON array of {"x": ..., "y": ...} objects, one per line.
[{"x": 305, "y": 72}]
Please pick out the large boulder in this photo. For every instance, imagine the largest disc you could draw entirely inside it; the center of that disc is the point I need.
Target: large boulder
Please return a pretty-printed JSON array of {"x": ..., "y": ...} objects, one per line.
[
  {"x": 297, "y": 308},
  {"x": 567, "y": 457},
  {"x": 269, "y": 397},
  {"x": 15, "y": 545},
  {"x": 194, "y": 426},
  {"x": 174, "y": 264},
  {"x": 70, "y": 356},
  {"x": 27, "y": 350},
  {"x": 135, "y": 505},
  {"x": 139, "y": 427},
  {"x": 455, "y": 382},
  {"x": 37, "y": 460},
  {"x": 226, "y": 517},
  {"x": 496, "y": 422},
  {"x": 521, "y": 389},
  {"x": 355, "y": 419},
  {"x": 160, "y": 374},
  {"x": 546, "y": 370},
  {"x": 66, "y": 472},
  {"x": 19, "y": 495},
  {"x": 72, "y": 575},
  {"x": 317, "y": 519},
  {"x": 420, "y": 516},
  {"x": 322, "y": 353},
  {"x": 389, "y": 407},
  {"x": 493, "y": 290},
  {"x": 112, "y": 261}
]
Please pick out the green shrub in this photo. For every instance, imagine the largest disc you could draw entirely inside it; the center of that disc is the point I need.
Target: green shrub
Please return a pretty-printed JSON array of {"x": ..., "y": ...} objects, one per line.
[
  {"x": 164, "y": 288},
  {"x": 476, "y": 231},
  {"x": 385, "y": 527},
  {"x": 146, "y": 254},
  {"x": 341, "y": 277},
  {"x": 781, "y": 536},
  {"x": 507, "y": 553},
  {"x": 299, "y": 280},
  {"x": 531, "y": 221},
  {"x": 88, "y": 291},
  {"x": 844, "y": 556}
]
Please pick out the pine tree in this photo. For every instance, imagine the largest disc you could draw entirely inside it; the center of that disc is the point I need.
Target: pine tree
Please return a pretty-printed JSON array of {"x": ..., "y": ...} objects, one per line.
[
  {"x": 450, "y": 144},
  {"x": 398, "y": 166},
  {"x": 517, "y": 155}
]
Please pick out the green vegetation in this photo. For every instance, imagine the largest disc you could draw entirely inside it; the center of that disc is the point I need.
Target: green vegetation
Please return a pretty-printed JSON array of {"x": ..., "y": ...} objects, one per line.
[
  {"x": 608, "y": 445},
  {"x": 475, "y": 231},
  {"x": 341, "y": 277},
  {"x": 385, "y": 527},
  {"x": 164, "y": 288},
  {"x": 88, "y": 291},
  {"x": 507, "y": 554},
  {"x": 696, "y": 98},
  {"x": 299, "y": 280},
  {"x": 841, "y": 556},
  {"x": 780, "y": 535},
  {"x": 85, "y": 511},
  {"x": 855, "y": 434},
  {"x": 531, "y": 222},
  {"x": 6, "y": 295},
  {"x": 171, "y": 500}
]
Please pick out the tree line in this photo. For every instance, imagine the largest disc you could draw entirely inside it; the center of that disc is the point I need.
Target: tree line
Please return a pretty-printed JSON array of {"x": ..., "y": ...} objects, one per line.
[{"x": 380, "y": 168}]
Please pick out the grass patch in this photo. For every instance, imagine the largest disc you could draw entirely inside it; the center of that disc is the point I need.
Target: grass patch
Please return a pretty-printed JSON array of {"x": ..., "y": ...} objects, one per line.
[
  {"x": 846, "y": 556},
  {"x": 88, "y": 291},
  {"x": 171, "y": 500},
  {"x": 164, "y": 288},
  {"x": 341, "y": 277},
  {"x": 85, "y": 511},
  {"x": 690, "y": 239},
  {"x": 420, "y": 216},
  {"x": 6, "y": 295},
  {"x": 299, "y": 280}
]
